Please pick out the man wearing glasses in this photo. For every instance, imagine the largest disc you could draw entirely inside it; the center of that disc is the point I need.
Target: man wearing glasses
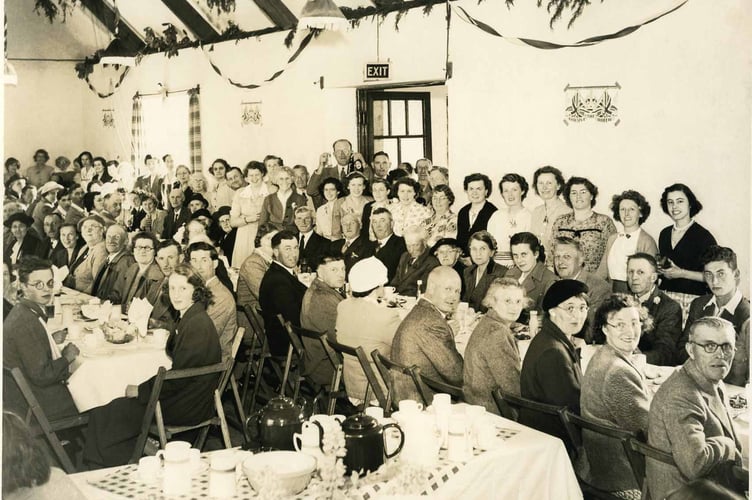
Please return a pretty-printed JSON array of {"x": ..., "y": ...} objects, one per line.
[
  {"x": 119, "y": 260},
  {"x": 143, "y": 279},
  {"x": 30, "y": 346},
  {"x": 688, "y": 416}
]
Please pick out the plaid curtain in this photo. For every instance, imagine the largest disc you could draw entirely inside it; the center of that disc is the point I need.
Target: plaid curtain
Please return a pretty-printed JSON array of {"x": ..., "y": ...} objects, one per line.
[
  {"x": 137, "y": 135},
  {"x": 194, "y": 130}
]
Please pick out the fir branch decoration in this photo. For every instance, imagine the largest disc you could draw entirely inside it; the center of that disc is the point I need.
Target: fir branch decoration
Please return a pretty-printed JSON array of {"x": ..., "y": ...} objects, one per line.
[
  {"x": 556, "y": 9},
  {"x": 221, "y": 5},
  {"x": 51, "y": 9},
  {"x": 290, "y": 37},
  {"x": 167, "y": 42}
]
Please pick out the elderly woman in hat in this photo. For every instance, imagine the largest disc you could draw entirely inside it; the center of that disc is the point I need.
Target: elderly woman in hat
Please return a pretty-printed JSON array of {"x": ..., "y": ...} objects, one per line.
[
  {"x": 92, "y": 256},
  {"x": 22, "y": 242},
  {"x": 14, "y": 186},
  {"x": 47, "y": 199},
  {"x": 223, "y": 233},
  {"x": 551, "y": 370}
]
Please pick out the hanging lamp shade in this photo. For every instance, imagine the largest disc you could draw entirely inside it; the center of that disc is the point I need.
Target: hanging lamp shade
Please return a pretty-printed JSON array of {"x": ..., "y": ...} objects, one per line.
[
  {"x": 115, "y": 53},
  {"x": 322, "y": 14}
]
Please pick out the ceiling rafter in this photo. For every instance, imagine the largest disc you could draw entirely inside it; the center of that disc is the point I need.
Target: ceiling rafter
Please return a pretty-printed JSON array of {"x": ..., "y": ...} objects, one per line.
[
  {"x": 192, "y": 19},
  {"x": 277, "y": 12},
  {"x": 106, "y": 15}
]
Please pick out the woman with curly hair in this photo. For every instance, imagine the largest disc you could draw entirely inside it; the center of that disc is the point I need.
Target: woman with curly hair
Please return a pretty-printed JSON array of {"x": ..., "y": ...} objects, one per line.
[
  {"x": 443, "y": 223},
  {"x": 548, "y": 183},
  {"x": 407, "y": 211},
  {"x": 631, "y": 209},
  {"x": 477, "y": 277},
  {"x": 511, "y": 219},
  {"x": 615, "y": 393},
  {"x": 681, "y": 245},
  {"x": 588, "y": 227},
  {"x": 328, "y": 217},
  {"x": 246, "y": 211},
  {"x": 194, "y": 343}
]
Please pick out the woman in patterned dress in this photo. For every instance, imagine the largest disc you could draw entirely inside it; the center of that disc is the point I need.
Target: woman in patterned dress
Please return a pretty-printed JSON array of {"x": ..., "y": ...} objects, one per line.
[
  {"x": 381, "y": 190},
  {"x": 407, "y": 211},
  {"x": 355, "y": 187},
  {"x": 590, "y": 228},
  {"x": 245, "y": 212},
  {"x": 443, "y": 224}
]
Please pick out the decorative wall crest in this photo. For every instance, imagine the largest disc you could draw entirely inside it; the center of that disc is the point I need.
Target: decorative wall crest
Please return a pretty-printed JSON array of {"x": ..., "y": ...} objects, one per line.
[
  {"x": 592, "y": 102},
  {"x": 250, "y": 113},
  {"x": 108, "y": 118}
]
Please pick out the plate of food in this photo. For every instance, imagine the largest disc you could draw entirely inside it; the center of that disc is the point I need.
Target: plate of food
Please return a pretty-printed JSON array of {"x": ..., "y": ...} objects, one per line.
[{"x": 119, "y": 332}]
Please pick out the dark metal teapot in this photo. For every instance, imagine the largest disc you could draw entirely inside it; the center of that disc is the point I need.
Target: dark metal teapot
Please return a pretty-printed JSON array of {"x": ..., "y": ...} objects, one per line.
[
  {"x": 364, "y": 438},
  {"x": 275, "y": 424}
]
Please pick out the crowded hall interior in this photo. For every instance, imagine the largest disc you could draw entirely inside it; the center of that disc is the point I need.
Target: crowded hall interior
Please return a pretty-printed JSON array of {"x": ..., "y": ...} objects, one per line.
[{"x": 376, "y": 249}]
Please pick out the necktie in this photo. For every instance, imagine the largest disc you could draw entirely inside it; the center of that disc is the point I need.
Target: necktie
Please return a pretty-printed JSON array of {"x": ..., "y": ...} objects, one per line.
[
  {"x": 100, "y": 278},
  {"x": 710, "y": 310},
  {"x": 345, "y": 246},
  {"x": 177, "y": 214},
  {"x": 302, "y": 241},
  {"x": 133, "y": 292}
]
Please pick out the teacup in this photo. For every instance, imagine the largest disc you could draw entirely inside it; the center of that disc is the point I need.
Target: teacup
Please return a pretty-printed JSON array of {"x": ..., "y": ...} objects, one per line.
[{"x": 149, "y": 469}]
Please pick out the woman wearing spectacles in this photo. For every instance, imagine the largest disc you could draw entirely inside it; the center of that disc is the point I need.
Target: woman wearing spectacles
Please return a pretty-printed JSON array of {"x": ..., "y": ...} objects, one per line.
[
  {"x": 615, "y": 393},
  {"x": 551, "y": 371},
  {"x": 30, "y": 346}
]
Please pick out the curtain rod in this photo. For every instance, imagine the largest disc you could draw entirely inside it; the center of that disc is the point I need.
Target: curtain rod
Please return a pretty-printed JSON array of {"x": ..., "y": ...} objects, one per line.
[
  {"x": 41, "y": 59},
  {"x": 139, "y": 94}
]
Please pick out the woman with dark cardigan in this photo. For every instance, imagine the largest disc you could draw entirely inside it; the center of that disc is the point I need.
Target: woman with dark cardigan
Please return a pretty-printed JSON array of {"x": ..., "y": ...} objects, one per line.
[
  {"x": 113, "y": 428},
  {"x": 482, "y": 272},
  {"x": 681, "y": 245}
]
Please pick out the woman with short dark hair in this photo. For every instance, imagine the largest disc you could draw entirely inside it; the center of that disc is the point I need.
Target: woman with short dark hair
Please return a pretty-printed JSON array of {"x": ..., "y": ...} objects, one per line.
[
  {"x": 381, "y": 190},
  {"x": 443, "y": 223},
  {"x": 548, "y": 183},
  {"x": 477, "y": 277},
  {"x": 588, "y": 227},
  {"x": 530, "y": 269},
  {"x": 631, "y": 209},
  {"x": 681, "y": 245},
  {"x": 246, "y": 211},
  {"x": 406, "y": 211},
  {"x": 328, "y": 218},
  {"x": 512, "y": 218}
]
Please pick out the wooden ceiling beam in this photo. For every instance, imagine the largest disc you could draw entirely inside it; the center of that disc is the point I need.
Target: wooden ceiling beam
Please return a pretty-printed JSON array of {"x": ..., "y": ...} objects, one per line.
[
  {"x": 277, "y": 12},
  {"x": 130, "y": 39},
  {"x": 192, "y": 19}
]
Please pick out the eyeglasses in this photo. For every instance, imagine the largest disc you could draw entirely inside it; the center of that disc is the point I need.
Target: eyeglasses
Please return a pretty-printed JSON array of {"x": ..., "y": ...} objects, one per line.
[
  {"x": 621, "y": 325},
  {"x": 571, "y": 309},
  {"x": 41, "y": 285},
  {"x": 143, "y": 248},
  {"x": 712, "y": 347}
]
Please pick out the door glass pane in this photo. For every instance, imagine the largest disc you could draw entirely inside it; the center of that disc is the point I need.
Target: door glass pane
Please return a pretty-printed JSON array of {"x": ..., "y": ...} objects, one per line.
[
  {"x": 398, "y": 118},
  {"x": 412, "y": 150},
  {"x": 415, "y": 117},
  {"x": 380, "y": 118},
  {"x": 389, "y": 146}
]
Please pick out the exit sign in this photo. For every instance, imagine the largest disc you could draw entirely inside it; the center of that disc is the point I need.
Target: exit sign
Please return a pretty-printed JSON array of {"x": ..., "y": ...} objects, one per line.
[{"x": 378, "y": 71}]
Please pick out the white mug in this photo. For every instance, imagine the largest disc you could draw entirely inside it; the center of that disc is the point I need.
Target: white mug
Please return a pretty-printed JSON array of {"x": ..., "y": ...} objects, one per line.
[
  {"x": 441, "y": 400},
  {"x": 160, "y": 336},
  {"x": 410, "y": 405},
  {"x": 222, "y": 479},
  {"x": 376, "y": 412},
  {"x": 149, "y": 469},
  {"x": 476, "y": 417},
  {"x": 176, "y": 478},
  {"x": 194, "y": 457},
  {"x": 458, "y": 443}
]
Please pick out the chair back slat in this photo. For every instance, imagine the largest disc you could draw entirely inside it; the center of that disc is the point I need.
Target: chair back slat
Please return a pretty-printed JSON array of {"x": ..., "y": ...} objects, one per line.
[
  {"x": 439, "y": 386},
  {"x": 239, "y": 333},
  {"x": 505, "y": 409},
  {"x": 151, "y": 406},
  {"x": 385, "y": 365},
  {"x": 372, "y": 380},
  {"x": 638, "y": 451}
]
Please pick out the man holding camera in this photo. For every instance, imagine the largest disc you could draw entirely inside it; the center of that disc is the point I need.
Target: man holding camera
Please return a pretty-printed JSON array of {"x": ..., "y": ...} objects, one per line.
[{"x": 345, "y": 159}]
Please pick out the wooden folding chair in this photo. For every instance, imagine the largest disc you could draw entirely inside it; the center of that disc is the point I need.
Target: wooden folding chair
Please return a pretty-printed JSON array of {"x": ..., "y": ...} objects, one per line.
[
  {"x": 574, "y": 425},
  {"x": 165, "y": 432},
  {"x": 385, "y": 365},
  {"x": 334, "y": 391},
  {"x": 505, "y": 409},
  {"x": 373, "y": 380},
  {"x": 638, "y": 453},
  {"x": 262, "y": 355},
  {"x": 292, "y": 372},
  {"x": 229, "y": 377},
  {"x": 44, "y": 426},
  {"x": 439, "y": 386}
]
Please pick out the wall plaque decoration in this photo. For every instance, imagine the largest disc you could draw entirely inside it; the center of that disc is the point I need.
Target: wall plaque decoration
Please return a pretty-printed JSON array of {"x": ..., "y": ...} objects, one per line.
[
  {"x": 108, "y": 118},
  {"x": 250, "y": 113},
  {"x": 592, "y": 102}
]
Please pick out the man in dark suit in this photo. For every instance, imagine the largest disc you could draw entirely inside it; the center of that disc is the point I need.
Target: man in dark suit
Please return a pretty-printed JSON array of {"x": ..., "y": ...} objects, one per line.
[
  {"x": 343, "y": 154},
  {"x": 28, "y": 346},
  {"x": 51, "y": 225},
  {"x": 415, "y": 263},
  {"x": 389, "y": 247},
  {"x": 689, "y": 420},
  {"x": 177, "y": 215},
  {"x": 107, "y": 281},
  {"x": 310, "y": 244},
  {"x": 721, "y": 273},
  {"x": 281, "y": 292},
  {"x": 169, "y": 255},
  {"x": 152, "y": 182},
  {"x": 474, "y": 216},
  {"x": 424, "y": 338},
  {"x": 143, "y": 279},
  {"x": 658, "y": 343},
  {"x": 353, "y": 246}
]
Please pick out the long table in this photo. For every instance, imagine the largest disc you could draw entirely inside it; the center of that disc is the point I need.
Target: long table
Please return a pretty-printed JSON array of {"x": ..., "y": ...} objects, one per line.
[{"x": 523, "y": 463}]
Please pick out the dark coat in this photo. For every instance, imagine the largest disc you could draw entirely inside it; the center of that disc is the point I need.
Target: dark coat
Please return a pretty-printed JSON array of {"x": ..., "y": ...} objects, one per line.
[
  {"x": 465, "y": 230},
  {"x": 535, "y": 284},
  {"x": 406, "y": 278},
  {"x": 280, "y": 293},
  {"x": 390, "y": 254},
  {"x": 27, "y": 346},
  {"x": 686, "y": 254},
  {"x": 359, "y": 249},
  {"x": 424, "y": 338},
  {"x": 59, "y": 256},
  {"x": 697, "y": 311},
  {"x": 171, "y": 226},
  {"x": 113, "y": 428},
  {"x": 111, "y": 275},
  {"x": 550, "y": 374},
  {"x": 474, "y": 293},
  {"x": 154, "y": 187},
  {"x": 31, "y": 245},
  {"x": 315, "y": 245},
  {"x": 150, "y": 289},
  {"x": 660, "y": 343}
]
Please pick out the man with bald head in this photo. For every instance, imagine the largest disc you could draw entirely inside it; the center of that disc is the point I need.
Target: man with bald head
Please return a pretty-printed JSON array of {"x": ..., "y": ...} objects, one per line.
[
  {"x": 688, "y": 417},
  {"x": 415, "y": 263},
  {"x": 107, "y": 281},
  {"x": 425, "y": 339}
]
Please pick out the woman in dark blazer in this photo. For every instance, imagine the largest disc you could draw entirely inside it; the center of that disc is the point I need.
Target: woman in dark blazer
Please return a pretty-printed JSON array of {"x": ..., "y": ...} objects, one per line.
[
  {"x": 19, "y": 224},
  {"x": 114, "y": 428},
  {"x": 529, "y": 257},
  {"x": 478, "y": 277},
  {"x": 615, "y": 393}
]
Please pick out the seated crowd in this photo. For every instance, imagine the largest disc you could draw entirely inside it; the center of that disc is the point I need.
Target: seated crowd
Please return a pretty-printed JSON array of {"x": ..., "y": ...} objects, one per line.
[{"x": 197, "y": 248}]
